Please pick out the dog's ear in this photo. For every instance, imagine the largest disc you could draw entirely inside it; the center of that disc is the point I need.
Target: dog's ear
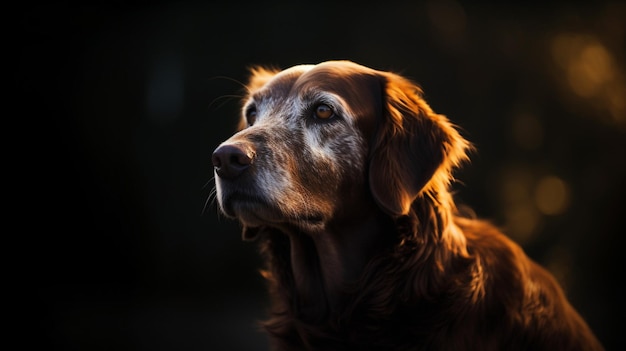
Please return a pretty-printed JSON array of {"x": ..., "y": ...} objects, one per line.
[{"x": 413, "y": 150}]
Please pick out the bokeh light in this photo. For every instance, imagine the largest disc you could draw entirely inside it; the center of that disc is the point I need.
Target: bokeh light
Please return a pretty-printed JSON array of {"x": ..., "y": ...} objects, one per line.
[
  {"x": 552, "y": 195},
  {"x": 592, "y": 73}
]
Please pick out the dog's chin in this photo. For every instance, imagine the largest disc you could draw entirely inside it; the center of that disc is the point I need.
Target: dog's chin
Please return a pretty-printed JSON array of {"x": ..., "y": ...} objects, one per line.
[
  {"x": 274, "y": 219},
  {"x": 257, "y": 214},
  {"x": 251, "y": 212},
  {"x": 258, "y": 218}
]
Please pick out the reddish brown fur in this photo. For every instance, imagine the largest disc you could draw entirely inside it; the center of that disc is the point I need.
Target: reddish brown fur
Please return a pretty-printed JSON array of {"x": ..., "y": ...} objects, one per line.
[{"x": 423, "y": 278}]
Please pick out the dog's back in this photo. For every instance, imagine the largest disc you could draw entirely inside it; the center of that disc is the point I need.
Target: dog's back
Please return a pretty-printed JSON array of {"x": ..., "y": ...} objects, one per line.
[{"x": 519, "y": 306}]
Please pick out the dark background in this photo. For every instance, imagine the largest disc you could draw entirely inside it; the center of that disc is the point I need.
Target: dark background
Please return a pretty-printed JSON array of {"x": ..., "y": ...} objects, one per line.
[{"x": 120, "y": 105}]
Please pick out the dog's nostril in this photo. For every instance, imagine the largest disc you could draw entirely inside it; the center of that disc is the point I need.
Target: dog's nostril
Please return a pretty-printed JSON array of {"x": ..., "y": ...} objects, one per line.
[
  {"x": 240, "y": 159},
  {"x": 230, "y": 161},
  {"x": 217, "y": 162}
]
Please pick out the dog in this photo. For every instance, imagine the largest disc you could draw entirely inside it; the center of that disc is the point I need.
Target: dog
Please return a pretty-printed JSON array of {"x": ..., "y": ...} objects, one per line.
[{"x": 342, "y": 174}]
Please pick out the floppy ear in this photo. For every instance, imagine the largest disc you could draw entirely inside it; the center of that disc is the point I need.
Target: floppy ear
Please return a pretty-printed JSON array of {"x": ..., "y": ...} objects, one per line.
[{"x": 414, "y": 149}]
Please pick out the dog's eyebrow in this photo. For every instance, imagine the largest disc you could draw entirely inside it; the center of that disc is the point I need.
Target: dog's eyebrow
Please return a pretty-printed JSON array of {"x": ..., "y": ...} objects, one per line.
[
  {"x": 257, "y": 96},
  {"x": 316, "y": 96}
]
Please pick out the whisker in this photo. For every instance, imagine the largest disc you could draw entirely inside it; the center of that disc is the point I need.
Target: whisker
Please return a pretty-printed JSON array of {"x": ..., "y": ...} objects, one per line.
[
  {"x": 226, "y": 99},
  {"x": 232, "y": 80},
  {"x": 211, "y": 180},
  {"x": 210, "y": 200}
]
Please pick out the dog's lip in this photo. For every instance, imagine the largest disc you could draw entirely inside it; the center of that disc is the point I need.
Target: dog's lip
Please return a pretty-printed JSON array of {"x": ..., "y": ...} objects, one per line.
[
  {"x": 251, "y": 210},
  {"x": 254, "y": 210},
  {"x": 237, "y": 202}
]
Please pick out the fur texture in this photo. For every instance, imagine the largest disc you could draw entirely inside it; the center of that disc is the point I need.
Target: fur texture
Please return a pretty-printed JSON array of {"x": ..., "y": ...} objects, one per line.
[{"x": 363, "y": 245}]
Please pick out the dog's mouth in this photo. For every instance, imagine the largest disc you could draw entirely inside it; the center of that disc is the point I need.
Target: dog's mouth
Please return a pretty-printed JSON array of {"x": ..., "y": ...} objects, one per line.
[
  {"x": 255, "y": 211},
  {"x": 251, "y": 210}
]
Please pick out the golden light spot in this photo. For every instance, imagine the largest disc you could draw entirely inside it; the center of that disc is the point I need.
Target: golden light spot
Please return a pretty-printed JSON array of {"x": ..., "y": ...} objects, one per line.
[
  {"x": 552, "y": 196},
  {"x": 589, "y": 69}
]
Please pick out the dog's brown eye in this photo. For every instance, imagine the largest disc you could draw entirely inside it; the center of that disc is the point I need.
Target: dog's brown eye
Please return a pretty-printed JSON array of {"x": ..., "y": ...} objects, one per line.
[
  {"x": 324, "y": 112},
  {"x": 251, "y": 115}
]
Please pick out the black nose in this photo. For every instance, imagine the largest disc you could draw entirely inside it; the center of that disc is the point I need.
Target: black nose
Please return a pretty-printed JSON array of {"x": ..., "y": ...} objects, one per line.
[{"x": 230, "y": 161}]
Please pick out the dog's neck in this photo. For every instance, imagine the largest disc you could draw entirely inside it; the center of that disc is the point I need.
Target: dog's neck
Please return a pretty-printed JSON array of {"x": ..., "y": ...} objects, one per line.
[
  {"x": 337, "y": 254},
  {"x": 327, "y": 264}
]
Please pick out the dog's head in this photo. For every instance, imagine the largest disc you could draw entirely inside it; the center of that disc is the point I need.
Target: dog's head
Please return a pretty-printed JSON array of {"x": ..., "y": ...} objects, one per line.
[{"x": 319, "y": 142}]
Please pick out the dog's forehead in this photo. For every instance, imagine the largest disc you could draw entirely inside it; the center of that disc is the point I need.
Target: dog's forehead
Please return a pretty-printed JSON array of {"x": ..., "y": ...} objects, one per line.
[
  {"x": 355, "y": 89},
  {"x": 344, "y": 78},
  {"x": 281, "y": 84}
]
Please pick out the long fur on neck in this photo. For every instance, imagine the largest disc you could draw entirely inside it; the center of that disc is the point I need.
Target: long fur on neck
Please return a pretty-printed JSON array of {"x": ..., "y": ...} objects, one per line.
[{"x": 419, "y": 268}]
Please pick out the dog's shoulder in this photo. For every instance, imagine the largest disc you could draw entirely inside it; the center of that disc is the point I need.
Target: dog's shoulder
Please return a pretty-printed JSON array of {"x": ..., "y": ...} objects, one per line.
[{"x": 530, "y": 305}]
